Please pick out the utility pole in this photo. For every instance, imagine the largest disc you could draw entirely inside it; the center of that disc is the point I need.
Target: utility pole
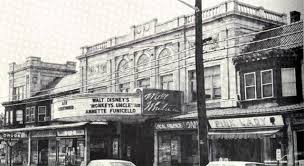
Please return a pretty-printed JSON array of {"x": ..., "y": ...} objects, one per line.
[{"x": 200, "y": 85}]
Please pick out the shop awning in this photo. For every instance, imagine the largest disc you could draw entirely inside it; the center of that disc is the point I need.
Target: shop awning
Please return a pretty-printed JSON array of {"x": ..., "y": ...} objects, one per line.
[
  {"x": 241, "y": 135},
  {"x": 49, "y": 127}
]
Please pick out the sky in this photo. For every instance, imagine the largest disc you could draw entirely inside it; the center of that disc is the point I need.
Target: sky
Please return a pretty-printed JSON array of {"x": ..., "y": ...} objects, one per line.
[{"x": 56, "y": 29}]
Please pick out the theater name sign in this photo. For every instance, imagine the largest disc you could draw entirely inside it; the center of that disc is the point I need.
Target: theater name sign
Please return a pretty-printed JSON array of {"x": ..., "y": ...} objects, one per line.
[{"x": 148, "y": 102}]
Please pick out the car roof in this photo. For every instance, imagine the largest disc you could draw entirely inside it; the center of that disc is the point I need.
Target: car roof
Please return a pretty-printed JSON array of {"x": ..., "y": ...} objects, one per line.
[
  {"x": 110, "y": 160},
  {"x": 233, "y": 162}
]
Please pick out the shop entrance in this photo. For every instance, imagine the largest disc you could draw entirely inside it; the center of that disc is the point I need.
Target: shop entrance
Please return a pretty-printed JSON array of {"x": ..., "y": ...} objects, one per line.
[
  {"x": 43, "y": 146},
  {"x": 177, "y": 149},
  {"x": 100, "y": 148},
  {"x": 300, "y": 145}
]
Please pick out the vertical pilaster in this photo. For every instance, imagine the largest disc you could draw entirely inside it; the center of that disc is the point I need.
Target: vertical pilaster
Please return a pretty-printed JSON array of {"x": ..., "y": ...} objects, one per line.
[
  {"x": 155, "y": 163},
  {"x": 290, "y": 149}
]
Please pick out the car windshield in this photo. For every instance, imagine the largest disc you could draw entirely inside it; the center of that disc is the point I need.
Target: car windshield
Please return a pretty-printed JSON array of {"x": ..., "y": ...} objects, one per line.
[{"x": 121, "y": 164}]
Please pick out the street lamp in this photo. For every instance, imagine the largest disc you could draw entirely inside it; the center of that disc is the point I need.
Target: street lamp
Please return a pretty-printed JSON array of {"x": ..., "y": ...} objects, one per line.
[{"x": 200, "y": 84}]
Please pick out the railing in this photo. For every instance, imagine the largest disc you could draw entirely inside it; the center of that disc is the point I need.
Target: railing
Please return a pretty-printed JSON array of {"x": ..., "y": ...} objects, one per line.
[{"x": 229, "y": 7}]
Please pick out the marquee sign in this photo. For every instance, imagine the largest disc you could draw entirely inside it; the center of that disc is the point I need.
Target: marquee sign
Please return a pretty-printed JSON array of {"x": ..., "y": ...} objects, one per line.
[
  {"x": 97, "y": 104},
  {"x": 248, "y": 122},
  {"x": 156, "y": 101}
]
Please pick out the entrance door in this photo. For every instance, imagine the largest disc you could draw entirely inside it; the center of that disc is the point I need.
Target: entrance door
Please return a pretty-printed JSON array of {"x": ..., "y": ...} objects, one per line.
[
  {"x": 300, "y": 145},
  {"x": 43, "y": 146},
  {"x": 100, "y": 148}
]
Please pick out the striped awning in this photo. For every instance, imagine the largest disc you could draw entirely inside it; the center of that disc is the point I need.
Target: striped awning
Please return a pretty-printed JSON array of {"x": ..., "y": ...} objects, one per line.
[{"x": 241, "y": 135}]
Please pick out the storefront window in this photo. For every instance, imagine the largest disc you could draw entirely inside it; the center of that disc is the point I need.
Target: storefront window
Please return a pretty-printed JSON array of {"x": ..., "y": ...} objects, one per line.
[
  {"x": 34, "y": 152},
  {"x": 177, "y": 149},
  {"x": 71, "y": 152},
  {"x": 237, "y": 149},
  {"x": 20, "y": 153}
]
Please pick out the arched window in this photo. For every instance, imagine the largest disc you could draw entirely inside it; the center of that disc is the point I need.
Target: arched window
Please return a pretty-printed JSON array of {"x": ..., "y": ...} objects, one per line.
[
  {"x": 165, "y": 65},
  {"x": 143, "y": 71},
  {"x": 122, "y": 76}
]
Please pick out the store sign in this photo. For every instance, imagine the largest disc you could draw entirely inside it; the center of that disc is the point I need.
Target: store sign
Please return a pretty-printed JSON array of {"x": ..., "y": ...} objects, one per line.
[
  {"x": 156, "y": 101},
  {"x": 97, "y": 104},
  {"x": 176, "y": 125},
  {"x": 72, "y": 132},
  {"x": 262, "y": 121},
  {"x": 43, "y": 133},
  {"x": 15, "y": 135}
]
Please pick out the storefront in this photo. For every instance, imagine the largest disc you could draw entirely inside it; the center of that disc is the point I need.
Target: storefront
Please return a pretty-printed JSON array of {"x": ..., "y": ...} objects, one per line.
[
  {"x": 255, "y": 138},
  {"x": 296, "y": 136}
]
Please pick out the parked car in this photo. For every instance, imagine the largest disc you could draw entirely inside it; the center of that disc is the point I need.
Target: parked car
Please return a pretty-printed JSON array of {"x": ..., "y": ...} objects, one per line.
[
  {"x": 234, "y": 163},
  {"x": 110, "y": 163}
]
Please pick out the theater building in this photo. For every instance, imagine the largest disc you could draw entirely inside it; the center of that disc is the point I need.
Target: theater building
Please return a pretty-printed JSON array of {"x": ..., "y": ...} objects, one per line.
[{"x": 136, "y": 94}]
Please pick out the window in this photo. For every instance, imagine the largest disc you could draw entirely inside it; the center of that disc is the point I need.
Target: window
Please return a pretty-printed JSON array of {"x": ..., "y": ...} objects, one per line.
[
  {"x": 267, "y": 83},
  {"x": 167, "y": 82},
  {"x": 123, "y": 76},
  {"x": 32, "y": 114},
  {"x": 41, "y": 113},
  {"x": 124, "y": 87},
  {"x": 250, "y": 85},
  {"x": 7, "y": 117},
  {"x": 28, "y": 114},
  {"x": 18, "y": 93},
  {"x": 11, "y": 117},
  {"x": 288, "y": 82},
  {"x": 212, "y": 82},
  {"x": 192, "y": 82},
  {"x": 19, "y": 116},
  {"x": 143, "y": 83}
]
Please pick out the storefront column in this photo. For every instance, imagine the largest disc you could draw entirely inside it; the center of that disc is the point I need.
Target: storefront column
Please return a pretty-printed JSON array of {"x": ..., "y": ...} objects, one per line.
[
  {"x": 29, "y": 149},
  {"x": 266, "y": 149},
  {"x": 155, "y": 149},
  {"x": 290, "y": 154},
  {"x": 86, "y": 146},
  {"x": 295, "y": 147}
]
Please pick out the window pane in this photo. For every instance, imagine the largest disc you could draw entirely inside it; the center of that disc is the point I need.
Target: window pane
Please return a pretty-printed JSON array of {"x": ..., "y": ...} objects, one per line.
[
  {"x": 267, "y": 90},
  {"x": 216, "y": 81},
  {"x": 250, "y": 92},
  {"x": 19, "y": 115},
  {"x": 217, "y": 92},
  {"x": 289, "y": 89},
  {"x": 288, "y": 75},
  {"x": 208, "y": 93},
  {"x": 249, "y": 79},
  {"x": 266, "y": 77},
  {"x": 288, "y": 82},
  {"x": 208, "y": 82}
]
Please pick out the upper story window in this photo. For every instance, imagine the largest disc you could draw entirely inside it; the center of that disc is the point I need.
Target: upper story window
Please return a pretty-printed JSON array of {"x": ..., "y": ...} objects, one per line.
[
  {"x": 250, "y": 85},
  {"x": 143, "y": 83},
  {"x": 288, "y": 76},
  {"x": 30, "y": 114},
  {"x": 165, "y": 60},
  {"x": 11, "y": 117},
  {"x": 19, "y": 116},
  {"x": 212, "y": 82},
  {"x": 6, "y": 117},
  {"x": 267, "y": 83},
  {"x": 123, "y": 78},
  {"x": 18, "y": 93},
  {"x": 166, "y": 82},
  {"x": 125, "y": 87},
  {"x": 27, "y": 114},
  {"x": 41, "y": 113}
]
